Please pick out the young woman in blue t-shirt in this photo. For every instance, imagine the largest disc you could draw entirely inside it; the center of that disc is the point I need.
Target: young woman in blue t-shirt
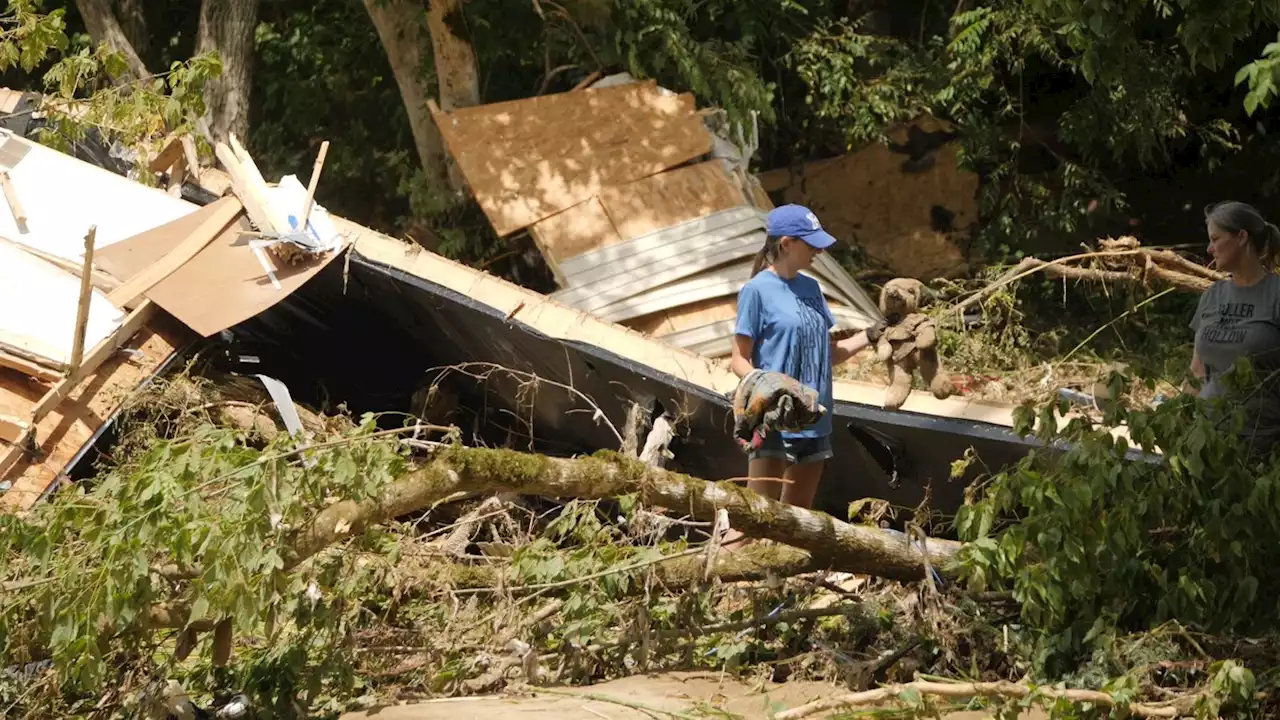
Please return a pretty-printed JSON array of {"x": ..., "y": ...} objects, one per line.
[{"x": 783, "y": 324}]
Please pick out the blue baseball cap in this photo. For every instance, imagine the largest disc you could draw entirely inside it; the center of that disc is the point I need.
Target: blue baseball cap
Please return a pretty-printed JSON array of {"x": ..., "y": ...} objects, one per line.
[{"x": 798, "y": 221}]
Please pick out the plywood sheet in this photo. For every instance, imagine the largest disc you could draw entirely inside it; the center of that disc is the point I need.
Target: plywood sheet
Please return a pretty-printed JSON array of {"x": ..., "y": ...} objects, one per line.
[
  {"x": 38, "y": 307},
  {"x": 869, "y": 199},
  {"x": 224, "y": 284},
  {"x": 63, "y": 432},
  {"x": 639, "y": 208},
  {"x": 528, "y": 159}
]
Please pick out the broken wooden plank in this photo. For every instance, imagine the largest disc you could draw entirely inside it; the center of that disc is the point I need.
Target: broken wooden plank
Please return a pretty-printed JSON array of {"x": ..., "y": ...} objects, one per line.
[
  {"x": 255, "y": 203},
  {"x": 11, "y": 197},
  {"x": 528, "y": 159},
  {"x": 82, "y": 307},
  {"x": 311, "y": 187},
  {"x": 167, "y": 156},
  {"x": 213, "y": 226},
  {"x": 12, "y": 428},
  {"x": 27, "y": 367}
]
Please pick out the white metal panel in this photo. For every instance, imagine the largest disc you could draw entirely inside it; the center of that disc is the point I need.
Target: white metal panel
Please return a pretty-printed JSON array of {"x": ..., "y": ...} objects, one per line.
[
  {"x": 38, "y": 307},
  {"x": 689, "y": 258},
  {"x": 63, "y": 196},
  {"x": 577, "y": 269}
]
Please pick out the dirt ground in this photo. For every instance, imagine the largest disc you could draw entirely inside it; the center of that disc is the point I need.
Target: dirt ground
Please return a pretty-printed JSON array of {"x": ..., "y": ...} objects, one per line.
[{"x": 695, "y": 693}]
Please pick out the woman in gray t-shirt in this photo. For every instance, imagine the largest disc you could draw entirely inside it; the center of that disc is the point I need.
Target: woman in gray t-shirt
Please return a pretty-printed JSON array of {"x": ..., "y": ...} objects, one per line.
[{"x": 1240, "y": 316}]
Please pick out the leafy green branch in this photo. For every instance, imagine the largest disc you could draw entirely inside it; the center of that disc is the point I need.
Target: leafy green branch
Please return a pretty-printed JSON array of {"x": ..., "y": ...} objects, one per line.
[{"x": 1263, "y": 77}]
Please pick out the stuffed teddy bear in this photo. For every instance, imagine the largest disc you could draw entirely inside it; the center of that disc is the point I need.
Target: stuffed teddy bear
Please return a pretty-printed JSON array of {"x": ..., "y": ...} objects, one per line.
[{"x": 909, "y": 342}]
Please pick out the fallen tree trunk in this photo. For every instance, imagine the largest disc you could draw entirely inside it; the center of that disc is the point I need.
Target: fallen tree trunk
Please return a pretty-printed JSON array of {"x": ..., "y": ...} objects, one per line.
[
  {"x": 832, "y": 543},
  {"x": 829, "y": 543}
]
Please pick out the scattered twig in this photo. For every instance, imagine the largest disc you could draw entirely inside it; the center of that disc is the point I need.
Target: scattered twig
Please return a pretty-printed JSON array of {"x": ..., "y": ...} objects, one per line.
[
  {"x": 616, "y": 701},
  {"x": 966, "y": 690}
]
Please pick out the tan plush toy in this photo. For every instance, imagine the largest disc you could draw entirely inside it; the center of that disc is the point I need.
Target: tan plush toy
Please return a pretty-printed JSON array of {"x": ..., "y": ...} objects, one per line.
[{"x": 909, "y": 342}]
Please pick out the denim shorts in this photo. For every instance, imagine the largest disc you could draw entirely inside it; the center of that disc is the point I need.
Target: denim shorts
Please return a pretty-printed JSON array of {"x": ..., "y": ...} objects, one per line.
[{"x": 797, "y": 451}]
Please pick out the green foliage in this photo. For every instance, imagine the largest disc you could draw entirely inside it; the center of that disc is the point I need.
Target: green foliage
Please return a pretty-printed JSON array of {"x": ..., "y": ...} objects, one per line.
[
  {"x": 1263, "y": 76},
  {"x": 1055, "y": 101},
  {"x": 84, "y": 87},
  {"x": 92, "y": 561},
  {"x": 1092, "y": 539}
]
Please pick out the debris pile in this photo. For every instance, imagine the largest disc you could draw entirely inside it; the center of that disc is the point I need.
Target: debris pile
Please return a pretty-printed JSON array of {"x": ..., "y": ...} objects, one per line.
[{"x": 645, "y": 213}]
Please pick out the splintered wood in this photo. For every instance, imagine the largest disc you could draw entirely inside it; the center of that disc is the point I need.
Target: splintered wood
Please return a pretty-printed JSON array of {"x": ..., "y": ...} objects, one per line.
[
  {"x": 528, "y": 159},
  {"x": 70, "y": 412}
]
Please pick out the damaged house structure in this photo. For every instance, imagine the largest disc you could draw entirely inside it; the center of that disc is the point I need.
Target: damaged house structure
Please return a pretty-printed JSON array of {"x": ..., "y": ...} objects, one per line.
[{"x": 125, "y": 282}]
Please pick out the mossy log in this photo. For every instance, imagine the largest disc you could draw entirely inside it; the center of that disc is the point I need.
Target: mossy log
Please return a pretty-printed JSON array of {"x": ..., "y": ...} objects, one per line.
[{"x": 832, "y": 543}]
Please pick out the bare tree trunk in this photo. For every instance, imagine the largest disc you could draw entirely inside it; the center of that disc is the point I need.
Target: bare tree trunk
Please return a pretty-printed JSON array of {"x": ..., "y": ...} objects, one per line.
[
  {"x": 456, "y": 69},
  {"x": 133, "y": 20},
  {"x": 400, "y": 27},
  {"x": 227, "y": 26},
  {"x": 104, "y": 28}
]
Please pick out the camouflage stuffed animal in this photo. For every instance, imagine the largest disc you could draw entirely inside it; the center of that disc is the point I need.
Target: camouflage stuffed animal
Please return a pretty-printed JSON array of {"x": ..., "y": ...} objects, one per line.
[{"x": 909, "y": 342}]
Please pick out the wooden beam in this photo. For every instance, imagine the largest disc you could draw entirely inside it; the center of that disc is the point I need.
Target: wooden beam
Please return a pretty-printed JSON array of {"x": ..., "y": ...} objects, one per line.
[
  {"x": 311, "y": 187},
  {"x": 100, "y": 353},
  {"x": 86, "y": 300},
  {"x": 26, "y": 367},
  {"x": 139, "y": 284},
  {"x": 14, "y": 453},
  {"x": 11, "y": 197},
  {"x": 167, "y": 156}
]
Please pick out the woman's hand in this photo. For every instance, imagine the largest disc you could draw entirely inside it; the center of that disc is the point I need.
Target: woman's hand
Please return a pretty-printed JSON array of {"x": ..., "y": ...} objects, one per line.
[{"x": 845, "y": 349}]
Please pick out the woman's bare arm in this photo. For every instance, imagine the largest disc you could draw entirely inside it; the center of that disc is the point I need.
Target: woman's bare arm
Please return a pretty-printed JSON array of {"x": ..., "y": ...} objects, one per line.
[
  {"x": 740, "y": 359},
  {"x": 1197, "y": 370}
]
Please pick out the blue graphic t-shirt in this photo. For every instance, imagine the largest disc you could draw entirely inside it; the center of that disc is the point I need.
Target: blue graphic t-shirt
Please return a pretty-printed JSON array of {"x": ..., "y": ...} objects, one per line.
[{"x": 788, "y": 322}]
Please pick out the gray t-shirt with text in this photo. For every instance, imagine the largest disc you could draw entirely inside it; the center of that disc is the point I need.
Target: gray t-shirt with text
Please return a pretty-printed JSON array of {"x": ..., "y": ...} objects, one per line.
[{"x": 1233, "y": 322}]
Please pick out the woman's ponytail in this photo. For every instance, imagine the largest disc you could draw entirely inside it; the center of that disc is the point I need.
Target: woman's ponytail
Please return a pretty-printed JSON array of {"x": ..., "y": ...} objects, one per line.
[
  {"x": 768, "y": 253},
  {"x": 1269, "y": 253}
]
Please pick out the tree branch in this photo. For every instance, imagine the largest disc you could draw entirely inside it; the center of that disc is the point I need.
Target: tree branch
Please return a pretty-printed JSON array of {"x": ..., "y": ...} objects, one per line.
[{"x": 968, "y": 690}]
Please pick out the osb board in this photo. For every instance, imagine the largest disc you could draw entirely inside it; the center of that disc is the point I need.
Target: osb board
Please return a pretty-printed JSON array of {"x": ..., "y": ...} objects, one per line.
[
  {"x": 65, "y": 430},
  {"x": 693, "y": 315},
  {"x": 572, "y": 325},
  {"x": 670, "y": 198},
  {"x": 867, "y": 199},
  {"x": 639, "y": 208},
  {"x": 224, "y": 284},
  {"x": 581, "y": 228},
  {"x": 528, "y": 159}
]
